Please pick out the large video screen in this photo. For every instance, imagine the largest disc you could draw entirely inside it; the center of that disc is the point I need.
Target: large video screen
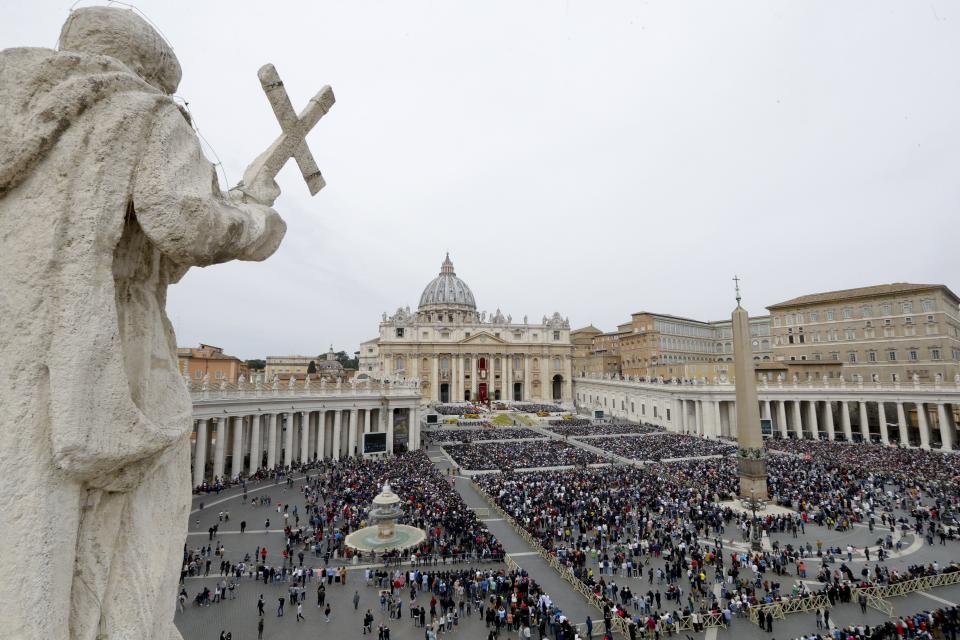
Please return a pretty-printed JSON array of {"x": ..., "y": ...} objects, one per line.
[{"x": 374, "y": 442}]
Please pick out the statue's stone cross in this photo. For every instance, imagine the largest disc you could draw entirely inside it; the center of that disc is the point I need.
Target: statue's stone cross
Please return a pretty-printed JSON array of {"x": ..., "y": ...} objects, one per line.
[{"x": 291, "y": 143}]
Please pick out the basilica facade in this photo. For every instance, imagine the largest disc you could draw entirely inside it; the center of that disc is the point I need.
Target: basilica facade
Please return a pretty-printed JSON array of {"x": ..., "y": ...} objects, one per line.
[{"x": 459, "y": 354}]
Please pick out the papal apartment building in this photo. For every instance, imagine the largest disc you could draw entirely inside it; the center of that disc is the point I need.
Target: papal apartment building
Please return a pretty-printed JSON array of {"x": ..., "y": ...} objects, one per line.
[{"x": 892, "y": 331}]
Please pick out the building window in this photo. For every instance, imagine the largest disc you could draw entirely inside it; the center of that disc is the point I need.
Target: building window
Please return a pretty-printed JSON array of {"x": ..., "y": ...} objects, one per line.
[
  {"x": 444, "y": 334},
  {"x": 866, "y": 310},
  {"x": 872, "y": 356},
  {"x": 850, "y": 334},
  {"x": 466, "y": 335},
  {"x": 668, "y": 415},
  {"x": 835, "y": 356},
  {"x": 556, "y": 335},
  {"x": 816, "y": 357},
  {"x": 908, "y": 320},
  {"x": 852, "y": 357},
  {"x": 906, "y": 307},
  {"x": 912, "y": 354},
  {"x": 892, "y": 356},
  {"x": 496, "y": 335},
  {"x": 928, "y": 305},
  {"x": 934, "y": 354},
  {"x": 813, "y": 316},
  {"x": 847, "y": 313},
  {"x": 425, "y": 334},
  {"x": 830, "y": 315},
  {"x": 886, "y": 308}
]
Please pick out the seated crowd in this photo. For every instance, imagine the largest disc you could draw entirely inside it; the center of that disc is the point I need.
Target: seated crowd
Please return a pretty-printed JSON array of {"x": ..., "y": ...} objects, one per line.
[
  {"x": 459, "y": 409},
  {"x": 535, "y": 407},
  {"x": 585, "y": 427},
  {"x": 662, "y": 446},
  {"x": 478, "y": 435},
  {"x": 521, "y": 454}
]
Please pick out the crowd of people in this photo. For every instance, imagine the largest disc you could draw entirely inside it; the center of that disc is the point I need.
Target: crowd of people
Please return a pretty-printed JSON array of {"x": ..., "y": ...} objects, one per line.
[
  {"x": 478, "y": 435},
  {"x": 535, "y": 407},
  {"x": 459, "y": 409},
  {"x": 924, "y": 625},
  {"x": 662, "y": 446},
  {"x": 584, "y": 427},
  {"x": 522, "y": 454}
]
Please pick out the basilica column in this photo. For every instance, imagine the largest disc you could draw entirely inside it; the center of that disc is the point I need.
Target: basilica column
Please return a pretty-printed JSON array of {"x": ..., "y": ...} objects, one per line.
[
  {"x": 902, "y": 425},
  {"x": 337, "y": 444},
  {"x": 474, "y": 382},
  {"x": 527, "y": 378},
  {"x": 255, "y": 449},
  {"x": 389, "y": 429},
  {"x": 845, "y": 421},
  {"x": 272, "y": 442},
  {"x": 864, "y": 422},
  {"x": 461, "y": 377},
  {"x": 434, "y": 384},
  {"x": 219, "y": 451},
  {"x": 828, "y": 417},
  {"x": 200, "y": 453},
  {"x": 812, "y": 420},
  {"x": 304, "y": 436},
  {"x": 506, "y": 378},
  {"x": 924, "y": 425},
  {"x": 782, "y": 419},
  {"x": 766, "y": 413},
  {"x": 698, "y": 418},
  {"x": 352, "y": 434},
  {"x": 288, "y": 441},
  {"x": 321, "y": 434},
  {"x": 366, "y": 420},
  {"x": 236, "y": 464},
  {"x": 797, "y": 420},
  {"x": 682, "y": 412},
  {"x": 882, "y": 411},
  {"x": 946, "y": 428}
]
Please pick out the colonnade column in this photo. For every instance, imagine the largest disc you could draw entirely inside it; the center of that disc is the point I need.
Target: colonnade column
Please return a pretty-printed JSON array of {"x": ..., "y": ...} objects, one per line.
[
  {"x": 924, "y": 425},
  {"x": 389, "y": 429},
  {"x": 272, "y": 442},
  {"x": 413, "y": 425},
  {"x": 288, "y": 441},
  {"x": 882, "y": 414},
  {"x": 697, "y": 418},
  {"x": 336, "y": 434},
  {"x": 200, "y": 453},
  {"x": 304, "y": 436},
  {"x": 716, "y": 418},
  {"x": 902, "y": 425},
  {"x": 828, "y": 417},
  {"x": 782, "y": 419},
  {"x": 236, "y": 463},
  {"x": 845, "y": 421},
  {"x": 812, "y": 420},
  {"x": 352, "y": 435},
  {"x": 797, "y": 419},
  {"x": 321, "y": 434},
  {"x": 864, "y": 422},
  {"x": 764, "y": 413},
  {"x": 682, "y": 423},
  {"x": 219, "y": 451},
  {"x": 946, "y": 427},
  {"x": 255, "y": 450}
]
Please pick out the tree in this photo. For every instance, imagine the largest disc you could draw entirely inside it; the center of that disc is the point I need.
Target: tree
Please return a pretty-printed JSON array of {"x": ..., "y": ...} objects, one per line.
[
  {"x": 256, "y": 364},
  {"x": 312, "y": 367},
  {"x": 346, "y": 361}
]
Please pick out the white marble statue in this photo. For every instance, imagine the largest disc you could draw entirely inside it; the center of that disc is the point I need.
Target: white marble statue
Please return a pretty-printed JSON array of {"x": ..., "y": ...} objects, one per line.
[{"x": 105, "y": 199}]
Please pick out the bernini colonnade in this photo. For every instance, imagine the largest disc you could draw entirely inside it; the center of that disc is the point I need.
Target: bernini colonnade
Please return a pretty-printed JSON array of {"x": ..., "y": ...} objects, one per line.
[
  {"x": 906, "y": 414},
  {"x": 241, "y": 428}
]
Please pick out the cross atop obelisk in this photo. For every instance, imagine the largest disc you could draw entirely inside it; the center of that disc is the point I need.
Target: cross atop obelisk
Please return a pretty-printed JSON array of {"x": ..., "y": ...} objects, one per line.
[{"x": 736, "y": 283}]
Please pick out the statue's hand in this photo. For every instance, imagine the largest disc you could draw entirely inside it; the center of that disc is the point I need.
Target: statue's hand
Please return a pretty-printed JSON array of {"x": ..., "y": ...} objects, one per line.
[{"x": 254, "y": 186}]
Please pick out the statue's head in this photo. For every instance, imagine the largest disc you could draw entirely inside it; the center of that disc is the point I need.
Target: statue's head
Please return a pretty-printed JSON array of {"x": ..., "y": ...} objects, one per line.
[{"x": 124, "y": 35}]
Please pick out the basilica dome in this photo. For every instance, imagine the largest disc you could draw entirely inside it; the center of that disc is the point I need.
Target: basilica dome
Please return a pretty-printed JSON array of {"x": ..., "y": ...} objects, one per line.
[{"x": 447, "y": 291}]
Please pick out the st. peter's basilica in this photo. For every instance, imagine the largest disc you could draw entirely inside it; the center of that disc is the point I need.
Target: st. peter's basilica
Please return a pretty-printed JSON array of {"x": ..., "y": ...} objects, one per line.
[{"x": 459, "y": 354}]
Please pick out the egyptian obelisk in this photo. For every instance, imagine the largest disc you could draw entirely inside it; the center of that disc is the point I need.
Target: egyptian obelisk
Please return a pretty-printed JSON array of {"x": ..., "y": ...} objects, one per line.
[{"x": 750, "y": 453}]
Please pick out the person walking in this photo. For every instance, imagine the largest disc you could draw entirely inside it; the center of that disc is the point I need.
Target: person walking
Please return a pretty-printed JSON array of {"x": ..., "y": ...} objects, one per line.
[
  {"x": 356, "y": 600},
  {"x": 326, "y": 612},
  {"x": 260, "y": 629},
  {"x": 260, "y": 605},
  {"x": 281, "y": 600},
  {"x": 300, "y": 612},
  {"x": 589, "y": 628}
]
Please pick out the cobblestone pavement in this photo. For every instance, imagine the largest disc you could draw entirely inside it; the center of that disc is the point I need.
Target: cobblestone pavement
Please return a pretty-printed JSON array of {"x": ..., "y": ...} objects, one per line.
[{"x": 239, "y": 615}]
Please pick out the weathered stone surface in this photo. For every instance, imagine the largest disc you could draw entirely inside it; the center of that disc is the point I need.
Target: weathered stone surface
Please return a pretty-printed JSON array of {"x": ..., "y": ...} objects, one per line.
[{"x": 105, "y": 199}]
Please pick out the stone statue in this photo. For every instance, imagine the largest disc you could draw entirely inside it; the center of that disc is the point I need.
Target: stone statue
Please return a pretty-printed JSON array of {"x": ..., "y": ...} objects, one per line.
[
  {"x": 524, "y": 319},
  {"x": 105, "y": 199}
]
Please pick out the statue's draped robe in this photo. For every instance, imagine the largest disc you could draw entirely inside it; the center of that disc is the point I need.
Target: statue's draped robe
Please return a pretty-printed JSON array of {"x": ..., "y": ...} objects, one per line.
[{"x": 105, "y": 198}]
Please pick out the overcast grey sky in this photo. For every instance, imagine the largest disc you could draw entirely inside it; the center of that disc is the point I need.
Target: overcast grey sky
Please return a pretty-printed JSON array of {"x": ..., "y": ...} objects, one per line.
[{"x": 591, "y": 158}]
